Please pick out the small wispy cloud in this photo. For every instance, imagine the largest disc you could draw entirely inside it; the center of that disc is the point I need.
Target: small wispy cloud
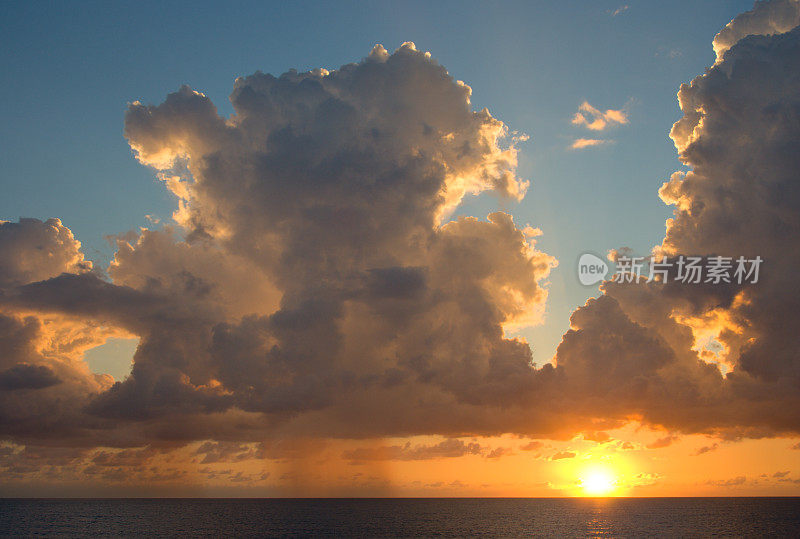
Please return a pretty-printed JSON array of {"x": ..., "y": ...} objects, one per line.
[
  {"x": 663, "y": 442},
  {"x": 733, "y": 482},
  {"x": 499, "y": 452},
  {"x": 587, "y": 143},
  {"x": 706, "y": 449},
  {"x": 667, "y": 52},
  {"x": 620, "y": 9},
  {"x": 597, "y": 120}
]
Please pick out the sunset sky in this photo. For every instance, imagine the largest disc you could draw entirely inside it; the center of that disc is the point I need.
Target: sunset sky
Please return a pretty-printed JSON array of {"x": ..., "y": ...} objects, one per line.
[{"x": 330, "y": 249}]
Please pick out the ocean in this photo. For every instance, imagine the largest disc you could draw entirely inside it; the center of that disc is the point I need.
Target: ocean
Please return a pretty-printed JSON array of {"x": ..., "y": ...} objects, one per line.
[{"x": 440, "y": 517}]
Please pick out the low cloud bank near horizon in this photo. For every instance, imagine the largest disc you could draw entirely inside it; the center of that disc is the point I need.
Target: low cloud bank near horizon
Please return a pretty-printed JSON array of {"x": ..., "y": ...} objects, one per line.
[{"x": 312, "y": 284}]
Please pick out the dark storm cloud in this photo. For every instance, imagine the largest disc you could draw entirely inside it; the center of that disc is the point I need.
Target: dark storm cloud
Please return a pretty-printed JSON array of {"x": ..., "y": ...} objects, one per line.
[{"x": 27, "y": 377}]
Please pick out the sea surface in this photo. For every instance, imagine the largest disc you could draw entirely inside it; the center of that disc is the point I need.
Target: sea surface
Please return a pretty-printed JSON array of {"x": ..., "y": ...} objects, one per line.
[{"x": 441, "y": 517}]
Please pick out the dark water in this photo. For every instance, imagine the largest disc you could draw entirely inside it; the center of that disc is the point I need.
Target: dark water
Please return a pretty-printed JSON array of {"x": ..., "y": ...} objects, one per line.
[{"x": 404, "y": 517}]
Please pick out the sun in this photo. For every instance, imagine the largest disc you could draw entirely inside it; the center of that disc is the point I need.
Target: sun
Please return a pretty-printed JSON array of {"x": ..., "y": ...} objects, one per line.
[{"x": 598, "y": 482}]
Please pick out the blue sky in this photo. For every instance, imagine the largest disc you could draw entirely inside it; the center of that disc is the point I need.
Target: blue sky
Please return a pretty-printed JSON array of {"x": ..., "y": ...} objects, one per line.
[{"x": 69, "y": 70}]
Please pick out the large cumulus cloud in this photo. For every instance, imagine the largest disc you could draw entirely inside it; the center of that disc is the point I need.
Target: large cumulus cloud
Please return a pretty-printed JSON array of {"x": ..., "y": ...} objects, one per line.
[
  {"x": 314, "y": 283},
  {"x": 740, "y": 134}
]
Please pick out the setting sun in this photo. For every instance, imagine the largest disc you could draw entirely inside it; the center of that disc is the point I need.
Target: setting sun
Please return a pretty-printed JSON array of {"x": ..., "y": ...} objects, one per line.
[{"x": 598, "y": 482}]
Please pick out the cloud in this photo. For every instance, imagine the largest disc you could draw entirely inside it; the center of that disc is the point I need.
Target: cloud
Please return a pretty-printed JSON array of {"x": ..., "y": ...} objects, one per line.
[
  {"x": 24, "y": 376},
  {"x": 781, "y": 474},
  {"x": 34, "y": 250},
  {"x": 157, "y": 261},
  {"x": 766, "y": 18},
  {"x": 123, "y": 458},
  {"x": 312, "y": 273},
  {"x": 581, "y": 143},
  {"x": 789, "y": 480},
  {"x": 499, "y": 452},
  {"x": 734, "y": 482},
  {"x": 620, "y": 10},
  {"x": 225, "y": 452},
  {"x": 531, "y": 446},
  {"x": 663, "y": 442},
  {"x": 645, "y": 479},
  {"x": 706, "y": 449},
  {"x": 563, "y": 455},
  {"x": 450, "y": 448},
  {"x": 597, "y": 120},
  {"x": 597, "y": 436},
  {"x": 739, "y": 198}
]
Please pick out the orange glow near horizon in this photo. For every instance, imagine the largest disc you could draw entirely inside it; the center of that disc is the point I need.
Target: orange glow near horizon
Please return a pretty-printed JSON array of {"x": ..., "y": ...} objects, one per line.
[{"x": 629, "y": 461}]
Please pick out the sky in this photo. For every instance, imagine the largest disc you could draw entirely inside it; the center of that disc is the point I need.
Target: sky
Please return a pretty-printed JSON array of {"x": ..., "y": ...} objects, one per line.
[{"x": 333, "y": 281}]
